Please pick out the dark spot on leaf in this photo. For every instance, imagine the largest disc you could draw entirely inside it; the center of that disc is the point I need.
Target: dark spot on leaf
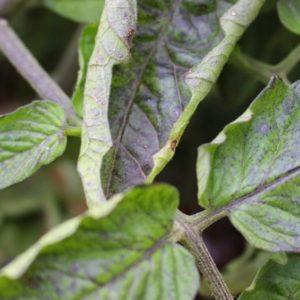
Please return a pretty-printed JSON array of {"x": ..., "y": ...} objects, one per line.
[
  {"x": 74, "y": 268},
  {"x": 130, "y": 35},
  {"x": 264, "y": 128},
  {"x": 174, "y": 145}
]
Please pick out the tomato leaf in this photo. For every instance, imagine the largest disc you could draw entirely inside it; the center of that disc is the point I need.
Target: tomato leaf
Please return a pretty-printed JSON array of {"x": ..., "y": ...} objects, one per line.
[
  {"x": 177, "y": 55},
  {"x": 86, "y": 11},
  {"x": 251, "y": 170},
  {"x": 276, "y": 281},
  {"x": 289, "y": 14},
  {"x": 30, "y": 137},
  {"x": 124, "y": 252}
]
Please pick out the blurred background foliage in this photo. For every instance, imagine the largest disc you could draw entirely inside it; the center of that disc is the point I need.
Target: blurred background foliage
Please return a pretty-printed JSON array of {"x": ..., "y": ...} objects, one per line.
[{"x": 29, "y": 209}]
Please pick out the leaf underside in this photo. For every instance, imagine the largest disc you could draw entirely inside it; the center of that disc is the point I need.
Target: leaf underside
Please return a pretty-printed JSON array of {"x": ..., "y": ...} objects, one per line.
[
  {"x": 30, "y": 137},
  {"x": 125, "y": 254},
  {"x": 252, "y": 170}
]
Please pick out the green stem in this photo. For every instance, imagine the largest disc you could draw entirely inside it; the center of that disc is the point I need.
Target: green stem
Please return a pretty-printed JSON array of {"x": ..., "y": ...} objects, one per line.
[
  {"x": 287, "y": 64},
  {"x": 73, "y": 131},
  {"x": 204, "y": 219},
  {"x": 260, "y": 70},
  {"x": 264, "y": 71}
]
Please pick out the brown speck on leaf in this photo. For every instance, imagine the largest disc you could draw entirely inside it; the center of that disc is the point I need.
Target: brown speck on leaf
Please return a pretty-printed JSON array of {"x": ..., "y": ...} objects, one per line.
[
  {"x": 174, "y": 145},
  {"x": 130, "y": 35}
]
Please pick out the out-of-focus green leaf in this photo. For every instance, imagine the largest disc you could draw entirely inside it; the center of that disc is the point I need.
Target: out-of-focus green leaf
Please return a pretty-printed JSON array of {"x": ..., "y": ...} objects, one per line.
[
  {"x": 30, "y": 137},
  {"x": 86, "y": 47},
  {"x": 16, "y": 235},
  {"x": 276, "y": 281},
  {"x": 26, "y": 211},
  {"x": 77, "y": 10},
  {"x": 251, "y": 170},
  {"x": 122, "y": 253},
  {"x": 289, "y": 14}
]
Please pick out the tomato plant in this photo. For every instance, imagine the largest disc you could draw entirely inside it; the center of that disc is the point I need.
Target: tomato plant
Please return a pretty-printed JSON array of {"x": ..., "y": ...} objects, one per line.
[{"x": 145, "y": 66}]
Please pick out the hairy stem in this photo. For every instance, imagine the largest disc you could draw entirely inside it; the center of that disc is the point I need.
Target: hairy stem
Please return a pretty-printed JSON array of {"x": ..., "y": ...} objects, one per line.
[
  {"x": 204, "y": 260},
  {"x": 21, "y": 58},
  {"x": 264, "y": 71},
  {"x": 204, "y": 219}
]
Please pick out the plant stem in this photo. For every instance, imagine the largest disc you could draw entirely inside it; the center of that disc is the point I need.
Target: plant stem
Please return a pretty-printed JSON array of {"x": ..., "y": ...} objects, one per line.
[
  {"x": 21, "y": 58},
  {"x": 261, "y": 70},
  {"x": 288, "y": 63},
  {"x": 204, "y": 260},
  {"x": 264, "y": 71},
  {"x": 73, "y": 131},
  {"x": 204, "y": 219}
]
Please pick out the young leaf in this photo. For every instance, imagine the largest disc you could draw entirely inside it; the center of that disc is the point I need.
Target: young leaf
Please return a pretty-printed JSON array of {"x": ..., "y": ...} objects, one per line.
[
  {"x": 276, "y": 281},
  {"x": 154, "y": 96},
  {"x": 77, "y": 10},
  {"x": 289, "y": 14},
  {"x": 251, "y": 170},
  {"x": 30, "y": 137},
  {"x": 86, "y": 47},
  {"x": 124, "y": 253}
]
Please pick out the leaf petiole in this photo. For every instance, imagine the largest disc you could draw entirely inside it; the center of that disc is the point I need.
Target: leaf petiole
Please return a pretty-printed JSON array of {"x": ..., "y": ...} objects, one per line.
[
  {"x": 264, "y": 71},
  {"x": 73, "y": 131}
]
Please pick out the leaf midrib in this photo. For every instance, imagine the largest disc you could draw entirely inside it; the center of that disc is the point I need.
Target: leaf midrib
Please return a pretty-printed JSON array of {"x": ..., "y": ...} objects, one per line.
[
  {"x": 251, "y": 197},
  {"x": 147, "y": 255}
]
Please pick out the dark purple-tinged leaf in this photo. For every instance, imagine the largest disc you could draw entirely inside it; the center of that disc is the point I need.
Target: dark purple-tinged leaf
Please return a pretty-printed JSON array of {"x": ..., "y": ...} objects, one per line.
[{"x": 179, "y": 50}]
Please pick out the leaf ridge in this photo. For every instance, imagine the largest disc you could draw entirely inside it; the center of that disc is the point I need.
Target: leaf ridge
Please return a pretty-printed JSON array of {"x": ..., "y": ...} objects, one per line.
[{"x": 112, "y": 47}]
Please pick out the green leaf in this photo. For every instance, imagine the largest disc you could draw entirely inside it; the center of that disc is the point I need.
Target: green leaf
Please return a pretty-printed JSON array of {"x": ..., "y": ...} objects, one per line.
[
  {"x": 122, "y": 253},
  {"x": 289, "y": 14},
  {"x": 30, "y": 137},
  {"x": 251, "y": 170},
  {"x": 86, "y": 47},
  {"x": 77, "y": 10},
  {"x": 177, "y": 55},
  {"x": 276, "y": 281}
]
